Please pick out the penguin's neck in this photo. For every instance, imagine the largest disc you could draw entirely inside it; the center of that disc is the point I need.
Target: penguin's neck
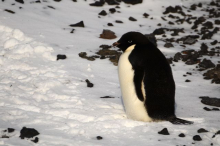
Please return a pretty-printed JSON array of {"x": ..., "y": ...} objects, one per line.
[{"x": 129, "y": 49}]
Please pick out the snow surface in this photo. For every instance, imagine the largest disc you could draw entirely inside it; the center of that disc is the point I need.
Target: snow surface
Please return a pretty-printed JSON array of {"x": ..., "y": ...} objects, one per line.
[{"x": 51, "y": 96}]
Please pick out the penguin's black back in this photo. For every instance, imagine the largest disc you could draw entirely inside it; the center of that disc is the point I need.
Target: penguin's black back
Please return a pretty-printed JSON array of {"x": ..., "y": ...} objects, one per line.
[{"x": 147, "y": 60}]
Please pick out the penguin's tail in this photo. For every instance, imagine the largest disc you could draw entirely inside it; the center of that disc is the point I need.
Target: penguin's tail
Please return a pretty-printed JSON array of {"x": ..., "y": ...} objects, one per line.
[{"x": 178, "y": 121}]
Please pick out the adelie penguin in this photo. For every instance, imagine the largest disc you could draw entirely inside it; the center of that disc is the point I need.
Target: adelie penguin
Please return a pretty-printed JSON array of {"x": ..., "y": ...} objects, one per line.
[{"x": 146, "y": 80}]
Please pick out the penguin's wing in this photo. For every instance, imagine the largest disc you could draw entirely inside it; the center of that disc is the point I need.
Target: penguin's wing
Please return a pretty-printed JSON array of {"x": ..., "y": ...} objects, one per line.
[{"x": 136, "y": 61}]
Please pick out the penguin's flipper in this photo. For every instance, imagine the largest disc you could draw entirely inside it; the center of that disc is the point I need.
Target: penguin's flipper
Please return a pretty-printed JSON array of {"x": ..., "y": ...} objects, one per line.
[
  {"x": 138, "y": 78},
  {"x": 136, "y": 59},
  {"x": 178, "y": 121}
]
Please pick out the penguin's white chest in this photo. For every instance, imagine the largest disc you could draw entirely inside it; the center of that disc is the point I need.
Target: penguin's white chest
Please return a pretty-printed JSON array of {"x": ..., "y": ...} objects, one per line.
[{"x": 134, "y": 108}]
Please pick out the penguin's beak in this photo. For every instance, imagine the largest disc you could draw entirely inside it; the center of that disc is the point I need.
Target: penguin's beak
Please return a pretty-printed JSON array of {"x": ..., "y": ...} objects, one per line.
[{"x": 115, "y": 44}]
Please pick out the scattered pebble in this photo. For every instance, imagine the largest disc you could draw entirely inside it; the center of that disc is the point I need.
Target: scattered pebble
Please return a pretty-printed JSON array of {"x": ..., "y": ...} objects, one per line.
[
  {"x": 103, "y": 13},
  {"x": 181, "y": 135},
  {"x": 60, "y": 56},
  {"x": 108, "y": 34},
  {"x": 197, "y": 138},
  {"x": 89, "y": 84},
  {"x": 99, "y": 138},
  {"x": 118, "y": 21},
  {"x": 79, "y": 24},
  {"x": 28, "y": 133},
  {"x": 210, "y": 101},
  {"x": 202, "y": 130},
  {"x": 164, "y": 132},
  {"x": 9, "y": 11},
  {"x": 107, "y": 97},
  {"x": 132, "y": 19}
]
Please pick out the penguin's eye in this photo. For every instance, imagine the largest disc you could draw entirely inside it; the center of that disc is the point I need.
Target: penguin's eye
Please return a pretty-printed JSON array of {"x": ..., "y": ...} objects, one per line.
[{"x": 130, "y": 41}]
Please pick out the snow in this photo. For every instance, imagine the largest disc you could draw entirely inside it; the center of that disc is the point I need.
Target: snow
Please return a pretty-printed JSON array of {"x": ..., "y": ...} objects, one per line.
[{"x": 51, "y": 96}]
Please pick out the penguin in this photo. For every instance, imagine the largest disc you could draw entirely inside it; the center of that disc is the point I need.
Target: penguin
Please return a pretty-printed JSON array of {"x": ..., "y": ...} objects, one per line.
[{"x": 146, "y": 81}]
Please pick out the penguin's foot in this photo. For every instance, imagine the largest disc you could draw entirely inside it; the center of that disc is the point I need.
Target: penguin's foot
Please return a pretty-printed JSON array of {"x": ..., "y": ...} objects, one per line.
[{"x": 178, "y": 121}]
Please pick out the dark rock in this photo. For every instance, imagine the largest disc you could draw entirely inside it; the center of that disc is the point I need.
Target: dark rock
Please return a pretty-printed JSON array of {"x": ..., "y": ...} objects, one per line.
[
  {"x": 133, "y": 2},
  {"x": 105, "y": 52},
  {"x": 108, "y": 34},
  {"x": 57, "y": 0},
  {"x": 204, "y": 49},
  {"x": 170, "y": 60},
  {"x": 202, "y": 130},
  {"x": 214, "y": 42},
  {"x": 168, "y": 45},
  {"x": 217, "y": 22},
  {"x": 98, "y": 3},
  {"x": 9, "y": 11},
  {"x": 208, "y": 25},
  {"x": 205, "y": 64},
  {"x": 35, "y": 140},
  {"x": 111, "y": 54},
  {"x": 89, "y": 84},
  {"x": 79, "y": 24},
  {"x": 207, "y": 109},
  {"x": 118, "y": 21},
  {"x": 210, "y": 101},
  {"x": 107, "y": 97},
  {"x": 159, "y": 31},
  {"x": 112, "y": 2},
  {"x": 210, "y": 34},
  {"x": 84, "y": 55},
  {"x": 197, "y": 138},
  {"x": 213, "y": 74},
  {"x": 200, "y": 5},
  {"x": 188, "y": 73},
  {"x": 190, "y": 39},
  {"x": 164, "y": 132},
  {"x": 105, "y": 47},
  {"x": 110, "y": 24},
  {"x": 132, "y": 19},
  {"x": 72, "y": 31},
  {"x": 10, "y": 130},
  {"x": 215, "y": 109},
  {"x": 4, "y": 136},
  {"x": 171, "y": 16},
  {"x": 60, "y": 56},
  {"x": 181, "y": 135},
  {"x": 217, "y": 133},
  {"x": 146, "y": 15},
  {"x": 51, "y": 7},
  {"x": 28, "y": 133},
  {"x": 187, "y": 80},
  {"x": 176, "y": 9},
  {"x": 112, "y": 10},
  {"x": 114, "y": 59},
  {"x": 20, "y": 1},
  {"x": 171, "y": 23},
  {"x": 200, "y": 20},
  {"x": 193, "y": 7},
  {"x": 99, "y": 138},
  {"x": 177, "y": 57},
  {"x": 163, "y": 19},
  {"x": 103, "y": 13}
]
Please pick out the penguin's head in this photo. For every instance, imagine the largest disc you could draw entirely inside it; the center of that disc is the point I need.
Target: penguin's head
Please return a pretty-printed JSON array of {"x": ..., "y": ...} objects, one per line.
[{"x": 129, "y": 39}]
